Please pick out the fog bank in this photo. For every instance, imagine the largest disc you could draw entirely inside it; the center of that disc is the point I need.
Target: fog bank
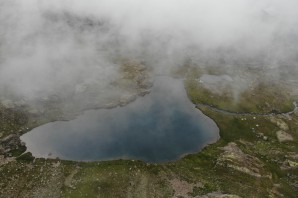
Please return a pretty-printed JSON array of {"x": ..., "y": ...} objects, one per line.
[{"x": 47, "y": 47}]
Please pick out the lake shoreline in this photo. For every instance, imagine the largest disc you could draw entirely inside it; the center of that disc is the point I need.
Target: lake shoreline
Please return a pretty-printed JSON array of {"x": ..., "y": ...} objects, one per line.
[{"x": 138, "y": 100}]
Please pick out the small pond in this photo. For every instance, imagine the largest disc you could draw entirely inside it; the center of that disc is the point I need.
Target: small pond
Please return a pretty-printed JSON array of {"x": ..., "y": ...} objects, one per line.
[{"x": 161, "y": 126}]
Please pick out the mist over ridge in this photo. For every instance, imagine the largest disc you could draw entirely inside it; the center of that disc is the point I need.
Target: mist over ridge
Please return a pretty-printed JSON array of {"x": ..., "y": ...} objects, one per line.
[{"x": 47, "y": 47}]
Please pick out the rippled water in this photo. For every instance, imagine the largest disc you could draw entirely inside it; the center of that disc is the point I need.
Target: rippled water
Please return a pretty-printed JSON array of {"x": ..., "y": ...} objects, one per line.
[{"x": 161, "y": 126}]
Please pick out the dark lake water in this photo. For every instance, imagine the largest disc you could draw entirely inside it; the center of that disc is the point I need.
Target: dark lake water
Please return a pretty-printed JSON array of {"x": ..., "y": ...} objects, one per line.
[{"x": 161, "y": 126}]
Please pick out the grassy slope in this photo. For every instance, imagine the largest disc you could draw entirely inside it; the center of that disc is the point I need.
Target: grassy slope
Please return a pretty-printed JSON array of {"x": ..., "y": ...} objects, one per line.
[
  {"x": 125, "y": 178},
  {"x": 265, "y": 97}
]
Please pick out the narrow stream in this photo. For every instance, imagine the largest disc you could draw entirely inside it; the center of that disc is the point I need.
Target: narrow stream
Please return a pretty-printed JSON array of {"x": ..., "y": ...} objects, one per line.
[{"x": 226, "y": 112}]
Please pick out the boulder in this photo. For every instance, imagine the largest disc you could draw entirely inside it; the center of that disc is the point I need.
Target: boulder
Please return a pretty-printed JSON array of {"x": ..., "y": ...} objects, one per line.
[
  {"x": 218, "y": 195},
  {"x": 280, "y": 123},
  {"x": 233, "y": 157},
  {"x": 283, "y": 136}
]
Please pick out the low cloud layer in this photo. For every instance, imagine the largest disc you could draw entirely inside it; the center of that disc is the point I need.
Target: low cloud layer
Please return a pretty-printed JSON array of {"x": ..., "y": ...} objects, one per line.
[{"x": 49, "y": 46}]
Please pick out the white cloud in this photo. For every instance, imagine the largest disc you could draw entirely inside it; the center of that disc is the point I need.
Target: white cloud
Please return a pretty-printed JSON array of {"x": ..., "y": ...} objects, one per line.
[{"x": 45, "y": 44}]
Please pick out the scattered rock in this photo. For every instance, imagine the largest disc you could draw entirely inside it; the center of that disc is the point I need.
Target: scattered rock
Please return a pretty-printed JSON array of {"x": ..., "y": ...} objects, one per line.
[
  {"x": 218, "y": 195},
  {"x": 9, "y": 143},
  {"x": 57, "y": 164},
  {"x": 5, "y": 160},
  {"x": 280, "y": 123},
  {"x": 291, "y": 161},
  {"x": 233, "y": 157},
  {"x": 293, "y": 164},
  {"x": 289, "y": 164},
  {"x": 183, "y": 188},
  {"x": 283, "y": 136},
  {"x": 292, "y": 155},
  {"x": 69, "y": 179}
]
